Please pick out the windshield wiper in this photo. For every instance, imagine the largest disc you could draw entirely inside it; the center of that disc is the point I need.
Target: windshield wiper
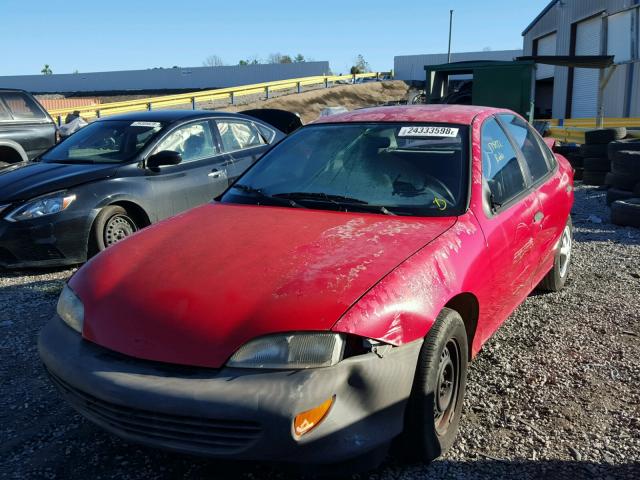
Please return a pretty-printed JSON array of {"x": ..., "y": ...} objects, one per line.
[
  {"x": 340, "y": 201},
  {"x": 273, "y": 198},
  {"x": 320, "y": 196}
]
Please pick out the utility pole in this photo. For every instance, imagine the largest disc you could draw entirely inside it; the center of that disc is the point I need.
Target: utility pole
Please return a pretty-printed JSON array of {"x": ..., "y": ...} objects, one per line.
[{"x": 450, "y": 26}]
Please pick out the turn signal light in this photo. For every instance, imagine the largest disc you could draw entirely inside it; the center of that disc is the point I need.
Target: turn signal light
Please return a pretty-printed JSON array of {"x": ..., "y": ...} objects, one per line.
[{"x": 304, "y": 422}]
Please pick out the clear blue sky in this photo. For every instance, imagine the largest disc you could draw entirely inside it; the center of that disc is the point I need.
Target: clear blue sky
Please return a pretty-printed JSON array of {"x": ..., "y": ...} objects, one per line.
[{"x": 102, "y": 35}]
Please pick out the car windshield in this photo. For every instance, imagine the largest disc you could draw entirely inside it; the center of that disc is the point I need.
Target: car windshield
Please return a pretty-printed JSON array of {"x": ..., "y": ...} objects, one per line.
[
  {"x": 106, "y": 141},
  {"x": 393, "y": 169}
]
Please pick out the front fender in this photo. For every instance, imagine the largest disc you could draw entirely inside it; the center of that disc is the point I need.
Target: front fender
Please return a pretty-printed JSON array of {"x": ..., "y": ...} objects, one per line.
[{"x": 403, "y": 306}]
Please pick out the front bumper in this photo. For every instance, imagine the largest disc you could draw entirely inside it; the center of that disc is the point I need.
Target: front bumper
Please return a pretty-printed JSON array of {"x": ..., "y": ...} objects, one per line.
[
  {"x": 233, "y": 413},
  {"x": 54, "y": 240}
]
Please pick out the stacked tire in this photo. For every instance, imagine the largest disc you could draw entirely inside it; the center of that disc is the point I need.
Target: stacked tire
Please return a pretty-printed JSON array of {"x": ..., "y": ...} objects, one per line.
[
  {"x": 624, "y": 182},
  {"x": 572, "y": 153},
  {"x": 595, "y": 153}
]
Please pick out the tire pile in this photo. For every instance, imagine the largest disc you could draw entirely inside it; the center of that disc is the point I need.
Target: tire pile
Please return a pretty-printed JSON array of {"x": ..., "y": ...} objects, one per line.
[
  {"x": 595, "y": 152},
  {"x": 608, "y": 159}
]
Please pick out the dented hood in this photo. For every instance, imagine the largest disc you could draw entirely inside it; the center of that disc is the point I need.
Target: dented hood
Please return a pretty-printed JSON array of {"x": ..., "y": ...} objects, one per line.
[{"x": 193, "y": 289}]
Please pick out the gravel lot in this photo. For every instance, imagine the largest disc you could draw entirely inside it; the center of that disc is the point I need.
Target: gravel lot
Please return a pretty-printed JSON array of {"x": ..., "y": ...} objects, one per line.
[{"x": 553, "y": 395}]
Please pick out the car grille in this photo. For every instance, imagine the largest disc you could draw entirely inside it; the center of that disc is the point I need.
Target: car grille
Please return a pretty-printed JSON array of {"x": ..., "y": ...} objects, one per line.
[{"x": 198, "y": 435}]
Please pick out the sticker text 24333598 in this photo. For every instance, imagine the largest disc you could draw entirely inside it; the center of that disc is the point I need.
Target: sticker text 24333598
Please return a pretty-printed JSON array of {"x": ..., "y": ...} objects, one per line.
[{"x": 421, "y": 131}]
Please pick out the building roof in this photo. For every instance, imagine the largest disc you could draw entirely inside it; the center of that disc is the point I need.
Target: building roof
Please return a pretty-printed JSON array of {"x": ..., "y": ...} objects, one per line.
[
  {"x": 460, "y": 114},
  {"x": 540, "y": 15}
]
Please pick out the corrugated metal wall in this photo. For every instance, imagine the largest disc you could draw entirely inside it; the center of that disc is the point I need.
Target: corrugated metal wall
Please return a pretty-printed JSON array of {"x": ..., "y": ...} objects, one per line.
[
  {"x": 164, "y": 79},
  {"x": 560, "y": 18},
  {"x": 411, "y": 67}
]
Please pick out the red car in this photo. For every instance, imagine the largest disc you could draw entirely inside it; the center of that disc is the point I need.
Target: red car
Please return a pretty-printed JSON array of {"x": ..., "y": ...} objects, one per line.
[{"x": 330, "y": 300}]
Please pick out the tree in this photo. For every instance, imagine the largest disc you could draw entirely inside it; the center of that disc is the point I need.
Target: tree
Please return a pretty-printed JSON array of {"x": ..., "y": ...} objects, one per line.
[
  {"x": 360, "y": 65},
  {"x": 299, "y": 58},
  {"x": 486, "y": 49},
  {"x": 279, "y": 58},
  {"x": 46, "y": 70},
  {"x": 213, "y": 61},
  {"x": 250, "y": 61}
]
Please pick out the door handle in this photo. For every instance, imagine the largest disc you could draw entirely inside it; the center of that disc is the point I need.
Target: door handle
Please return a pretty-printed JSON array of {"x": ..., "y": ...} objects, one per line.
[
  {"x": 215, "y": 173},
  {"x": 537, "y": 218}
]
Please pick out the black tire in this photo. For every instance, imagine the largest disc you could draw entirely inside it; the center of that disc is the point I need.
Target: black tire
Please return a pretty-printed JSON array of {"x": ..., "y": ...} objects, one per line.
[
  {"x": 431, "y": 426},
  {"x": 597, "y": 164},
  {"x": 556, "y": 278},
  {"x": 604, "y": 135},
  {"x": 614, "y": 194},
  {"x": 575, "y": 159},
  {"x": 630, "y": 144},
  {"x": 636, "y": 189},
  {"x": 112, "y": 224},
  {"x": 593, "y": 178},
  {"x": 626, "y": 162},
  {"x": 626, "y": 212},
  {"x": 578, "y": 172},
  {"x": 566, "y": 150},
  {"x": 593, "y": 150},
  {"x": 621, "y": 182}
]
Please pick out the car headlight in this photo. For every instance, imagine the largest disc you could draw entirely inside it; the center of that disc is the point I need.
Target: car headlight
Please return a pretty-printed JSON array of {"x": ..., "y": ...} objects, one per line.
[
  {"x": 70, "y": 309},
  {"x": 292, "y": 350},
  {"x": 39, "y": 207}
]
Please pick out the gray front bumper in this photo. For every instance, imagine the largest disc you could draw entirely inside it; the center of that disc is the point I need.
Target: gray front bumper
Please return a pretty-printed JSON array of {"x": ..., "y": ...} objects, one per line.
[{"x": 233, "y": 413}]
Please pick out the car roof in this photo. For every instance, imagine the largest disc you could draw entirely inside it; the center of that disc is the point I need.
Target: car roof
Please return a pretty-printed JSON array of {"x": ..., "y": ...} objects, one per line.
[
  {"x": 460, "y": 114},
  {"x": 169, "y": 115}
]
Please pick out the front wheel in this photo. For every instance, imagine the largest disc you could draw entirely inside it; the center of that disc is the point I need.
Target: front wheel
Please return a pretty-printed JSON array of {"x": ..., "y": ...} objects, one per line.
[
  {"x": 435, "y": 406},
  {"x": 112, "y": 224},
  {"x": 557, "y": 276}
]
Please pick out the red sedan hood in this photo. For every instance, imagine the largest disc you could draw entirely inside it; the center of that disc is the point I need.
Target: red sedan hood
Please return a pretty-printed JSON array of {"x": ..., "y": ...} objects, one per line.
[{"x": 193, "y": 289}]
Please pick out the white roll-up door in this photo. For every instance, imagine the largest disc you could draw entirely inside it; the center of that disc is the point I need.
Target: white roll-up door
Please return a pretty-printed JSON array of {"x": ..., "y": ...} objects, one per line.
[
  {"x": 584, "y": 100},
  {"x": 546, "y": 46}
]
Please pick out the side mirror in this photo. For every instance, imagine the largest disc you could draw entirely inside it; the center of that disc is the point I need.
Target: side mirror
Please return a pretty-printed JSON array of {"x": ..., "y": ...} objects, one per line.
[{"x": 165, "y": 157}]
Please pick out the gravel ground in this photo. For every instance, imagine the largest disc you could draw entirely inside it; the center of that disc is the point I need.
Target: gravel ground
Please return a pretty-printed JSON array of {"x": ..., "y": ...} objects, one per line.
[{"x": 554, "y": 394}]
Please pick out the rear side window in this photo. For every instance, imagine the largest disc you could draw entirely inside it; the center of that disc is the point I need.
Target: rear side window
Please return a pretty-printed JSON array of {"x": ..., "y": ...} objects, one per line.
[
  {"x": 238, "y": 135},
  {"x": 528, "y": 143},
  {"x": 266, "y": 132},
  {"x": 500, "y": 166},
  {"x": 22, "y": 107}
]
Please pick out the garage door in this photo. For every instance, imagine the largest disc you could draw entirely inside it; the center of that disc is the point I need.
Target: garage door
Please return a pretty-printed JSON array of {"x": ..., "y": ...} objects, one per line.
[
  {"x": 546, "y": 46},
  {"x": 585, "y": 80}
]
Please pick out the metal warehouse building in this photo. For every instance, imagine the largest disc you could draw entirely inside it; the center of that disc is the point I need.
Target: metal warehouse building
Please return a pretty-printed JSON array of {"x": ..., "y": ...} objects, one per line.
[
  {"x": 411, "y": 67},
  {"x": 164, "y": 79},
  {"x": 587, "y": 27}
]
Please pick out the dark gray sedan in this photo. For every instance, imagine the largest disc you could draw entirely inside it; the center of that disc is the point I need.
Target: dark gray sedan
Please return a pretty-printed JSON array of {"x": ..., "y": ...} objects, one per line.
[{"x": 118, "y": 175}]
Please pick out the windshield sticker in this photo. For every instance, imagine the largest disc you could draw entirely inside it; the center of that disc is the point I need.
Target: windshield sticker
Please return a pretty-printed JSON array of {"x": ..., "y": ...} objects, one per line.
[
  {"x": 440, "y": 203},
  {"x": 428, "y": 132},
  {"x": 147, "y": 124}
]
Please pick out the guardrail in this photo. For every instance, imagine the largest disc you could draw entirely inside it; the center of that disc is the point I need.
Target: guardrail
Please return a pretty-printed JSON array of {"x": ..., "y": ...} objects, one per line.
[
  {"x": 231, "y": 94},
  {"x": 572, "y": 130}
]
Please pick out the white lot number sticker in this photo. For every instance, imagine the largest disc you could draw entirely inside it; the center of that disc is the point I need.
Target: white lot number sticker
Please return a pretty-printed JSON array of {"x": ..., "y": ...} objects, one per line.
[
  {"x": 428, "y": 132},
  {"x": 146, "y": 124}
]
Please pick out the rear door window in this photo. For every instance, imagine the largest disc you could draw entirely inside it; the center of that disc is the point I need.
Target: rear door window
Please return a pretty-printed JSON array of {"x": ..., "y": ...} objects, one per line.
[
  {"x": 500, "y": 166},
  {"x": 529, "y": 145},
  {"x": 238, "y": 135},
  {"x": 22, "y": 107}
]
